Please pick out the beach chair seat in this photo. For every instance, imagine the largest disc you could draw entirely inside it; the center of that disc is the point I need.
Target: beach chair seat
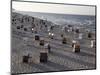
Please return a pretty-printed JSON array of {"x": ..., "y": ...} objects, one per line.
[
  {"x": 42, "y": 42},
  {"x": 26, "y": 58},
  {"x": 76, "y": 48},
  {"x": 43, "y": 57},
  {"x": 18, "y": 27},
  {"x": 64, "y": 40},
  {"x": 89, "y": 35}
]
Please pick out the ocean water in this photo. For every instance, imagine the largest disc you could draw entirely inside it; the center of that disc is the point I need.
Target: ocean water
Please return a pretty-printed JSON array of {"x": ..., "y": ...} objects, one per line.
[{"x": 87, "y": 21}]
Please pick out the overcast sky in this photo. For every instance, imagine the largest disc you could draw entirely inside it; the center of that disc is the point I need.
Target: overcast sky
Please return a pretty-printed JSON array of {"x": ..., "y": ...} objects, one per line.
[{"x": 53, "y": 8}]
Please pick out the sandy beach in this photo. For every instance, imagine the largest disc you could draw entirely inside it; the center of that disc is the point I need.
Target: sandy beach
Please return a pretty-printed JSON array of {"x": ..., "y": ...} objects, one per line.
[{"x": 61, "y": 56}]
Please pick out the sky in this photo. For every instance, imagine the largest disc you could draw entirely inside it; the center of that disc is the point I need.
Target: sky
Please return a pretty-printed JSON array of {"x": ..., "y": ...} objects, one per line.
[{"x": 53, "y": 8}]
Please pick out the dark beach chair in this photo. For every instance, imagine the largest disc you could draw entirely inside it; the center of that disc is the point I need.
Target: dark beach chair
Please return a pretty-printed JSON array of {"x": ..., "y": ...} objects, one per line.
[{"x": 37, "y": 37}]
